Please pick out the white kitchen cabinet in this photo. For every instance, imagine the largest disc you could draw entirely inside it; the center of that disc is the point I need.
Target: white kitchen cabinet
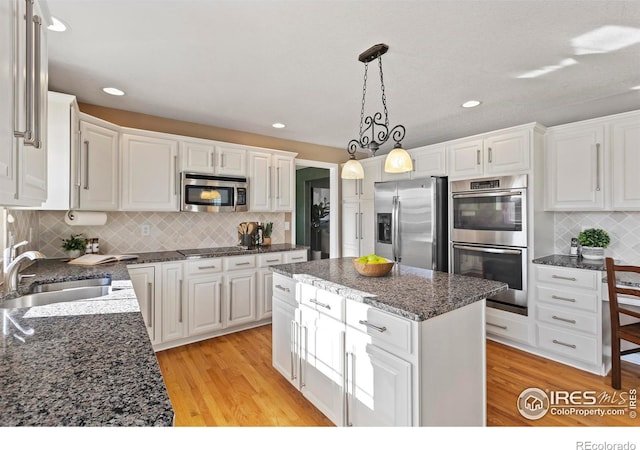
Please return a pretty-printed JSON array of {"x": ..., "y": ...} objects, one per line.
[
  {"x": 363, "y": 189},
  {"x": 575, "y": 158},
  {"x": 625, "y": 155},
  {"x": 271, "y": 181},
  {"x": 143, "y": 279},
  {"x": 358, "y": 228},
  {"x": 204, "y": 295},
  {"x": 149, "y": 172},
  {"x": 174, "y": 308},
  {"x": 23, "y": 95},
  {"x": 63, "y": 133},
  {"x": 508, "y": 327},
  {"x": 285, "y": 350},
  {"x": 197, "y": 155},
  {"x": 231, "y": 161},
  {"x": 294, "y": 256},
  {"x": 99, "y": 165},
  {"x": 265, "y": 283},
  {"x": 500, "y": 153},
  {"x": 240, "y": 279},
  {"x": 428, "y": 161},
  {"x": 568, "y": 314}
]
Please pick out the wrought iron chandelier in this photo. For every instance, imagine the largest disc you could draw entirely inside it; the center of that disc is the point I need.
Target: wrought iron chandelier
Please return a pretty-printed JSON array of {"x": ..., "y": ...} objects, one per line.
[{"x": 374, "y": 132}]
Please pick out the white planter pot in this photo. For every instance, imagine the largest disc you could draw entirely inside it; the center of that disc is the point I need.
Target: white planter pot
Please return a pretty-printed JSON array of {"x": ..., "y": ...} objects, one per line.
[{"x": 593, "y": 252}]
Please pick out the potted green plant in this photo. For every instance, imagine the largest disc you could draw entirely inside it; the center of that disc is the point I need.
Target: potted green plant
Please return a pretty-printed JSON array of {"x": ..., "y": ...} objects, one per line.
[
  {"x": 75, "y": 245},
  {"x": 593, "y": 241},
  {"x": 266, "y": 233}
]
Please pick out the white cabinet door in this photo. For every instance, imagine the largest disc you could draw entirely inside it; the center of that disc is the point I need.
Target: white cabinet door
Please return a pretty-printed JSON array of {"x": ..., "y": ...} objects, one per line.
[
  {"x": 322, "y": 368},
  {"x": 174, "y": 309},
  {"x": 429, "y": 161},
  {"x": 231, "y": 161},
  {"x": 260, "y": 181},
  {"x": 149, "y": 173},
  {"x": 265, "y": 294},
  {"x": 144, "y": 286},
  {"x": 284, "y": 348},
  {"x": 98, "y": 168},
  {"x": 574, "y": 168},
  {"x": 367, "y": 228},
  {"x": 379, "y": 389},
  {"x": 8, "y": 186},
  {"x": 204, "y": 294},
  {"x": 284, "y": 183},
  {"x": 351, "y": 229},
  {"x": 197, "y": 156},
  {"x": 240, "y": 297},
  {"x": 507, "y": 153},
  {"x": 466, "y": 158},
  {"x": 625, "y": 149},
  {"x": 364, "y": 188}
]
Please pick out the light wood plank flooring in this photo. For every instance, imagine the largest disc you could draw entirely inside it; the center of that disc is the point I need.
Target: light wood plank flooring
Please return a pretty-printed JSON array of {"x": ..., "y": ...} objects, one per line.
[{"x": 229, "y": 381}]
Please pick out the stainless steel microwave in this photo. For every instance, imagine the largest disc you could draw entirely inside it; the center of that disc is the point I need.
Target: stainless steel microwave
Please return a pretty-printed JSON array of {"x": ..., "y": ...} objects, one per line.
[{"x": 209, "y": 193}]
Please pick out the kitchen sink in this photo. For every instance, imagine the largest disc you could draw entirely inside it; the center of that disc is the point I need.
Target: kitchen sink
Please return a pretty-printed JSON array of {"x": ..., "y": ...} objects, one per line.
[{"x": 67, "y": 291}]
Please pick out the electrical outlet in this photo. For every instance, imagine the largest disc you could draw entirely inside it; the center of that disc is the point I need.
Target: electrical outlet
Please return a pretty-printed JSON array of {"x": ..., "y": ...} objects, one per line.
[
  {"x": 144, "y": 230},
  {"x": 287, "y": 226}
]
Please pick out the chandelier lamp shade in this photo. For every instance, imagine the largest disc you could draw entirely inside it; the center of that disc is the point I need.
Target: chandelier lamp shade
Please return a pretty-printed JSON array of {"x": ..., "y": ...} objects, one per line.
[{"x": 375, "y": 130}]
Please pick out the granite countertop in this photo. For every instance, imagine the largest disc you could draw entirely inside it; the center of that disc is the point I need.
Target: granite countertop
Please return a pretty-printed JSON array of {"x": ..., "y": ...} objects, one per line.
[
  {"x": 410, "y": 292},
  {"x": 573, "y": 262}
]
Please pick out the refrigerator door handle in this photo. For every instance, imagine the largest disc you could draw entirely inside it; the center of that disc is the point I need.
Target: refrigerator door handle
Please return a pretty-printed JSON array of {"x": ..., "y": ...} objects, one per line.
[{"x": 395, "y": 232}]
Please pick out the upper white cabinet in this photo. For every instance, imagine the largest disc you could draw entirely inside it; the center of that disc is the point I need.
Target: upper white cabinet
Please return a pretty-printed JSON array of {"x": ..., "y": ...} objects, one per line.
[
  {"x": 592, "y": 165},
  {"x": 149, "y": 173},
  {"x": 231, "y": 161},
  {"x": 363, "y": 189},
  {"x": 23, "y": 104},
  {"x": 625, "y": 153},
  {"x": 98, "y": 165},
  {"x": 501, "y": 153},
  {"x": 197, "y": 156},
  {"x": 271, "y": 181},
  {"x": 428, "y": 161}
]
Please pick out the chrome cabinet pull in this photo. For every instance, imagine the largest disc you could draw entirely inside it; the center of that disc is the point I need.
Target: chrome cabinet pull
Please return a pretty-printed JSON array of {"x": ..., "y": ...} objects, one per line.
[
  {"x": 272, "y": 260},
  {"x": 558, "y": 277},
  {"x": 29, "y": 75},
  {"x": 563, "y": 319},
  {"x": 563, "y": 343},
  {"x": 357, "y": 226},
  {"x": 566, "y": 299},
  {"x": 149, "y": 312},
  {"x": 175, "y": 169},
  {"x": 221, "y": 159},
  {"x": 242, "y": 264},
  {"x": 324, "y": 305},
  {"x": 497, "y": 326},
  {"x": 297, "y": 258},
  {"x": 597, "y": 167},
  {"x": 36, "y": 141},
  {"x": 413, "y": 161},
  {"x": 370, "y": 325},
  {"x": 180, "y": 301},
  {"x": 206, "y": 267},
  {"x": 304, "y": 351},
  {"x": 478, "y": 157},
  {"x": 361, "y": 225},
  {"x": 292, "y": 330},
  {"x": 490, "y": 159},
  {"x": 284, "y": 289},
  {"x": 278, "y": 182},
  {"x": 86, "y": 166},
  {"x": 230, "y": 301}
]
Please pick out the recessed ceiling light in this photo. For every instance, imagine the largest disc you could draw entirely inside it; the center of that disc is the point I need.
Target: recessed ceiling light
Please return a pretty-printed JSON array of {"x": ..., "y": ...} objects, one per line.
[
  {"x": 57, "y": 25},
  {"x": 113, "y": 91},
  {"x": 471, "y": 104},
  {"x": 278, "y": 125}
]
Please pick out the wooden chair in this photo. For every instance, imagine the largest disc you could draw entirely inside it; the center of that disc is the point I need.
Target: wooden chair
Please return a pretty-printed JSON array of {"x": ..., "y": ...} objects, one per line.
[{"x": 631, "y": 332}]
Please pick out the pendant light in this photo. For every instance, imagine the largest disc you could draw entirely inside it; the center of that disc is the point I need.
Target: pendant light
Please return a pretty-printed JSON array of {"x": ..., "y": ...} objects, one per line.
[{"x": 374, "y": 132}]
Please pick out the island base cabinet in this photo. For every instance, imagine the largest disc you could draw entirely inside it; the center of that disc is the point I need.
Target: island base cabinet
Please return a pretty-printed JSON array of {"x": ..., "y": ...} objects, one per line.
[
  {"x": 452, "y": 388},
  {"x": 378, "y": 385}
]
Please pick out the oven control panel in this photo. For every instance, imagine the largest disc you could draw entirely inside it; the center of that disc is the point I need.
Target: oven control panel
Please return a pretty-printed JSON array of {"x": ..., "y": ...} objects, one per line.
[{"x": 485, "y": 184}]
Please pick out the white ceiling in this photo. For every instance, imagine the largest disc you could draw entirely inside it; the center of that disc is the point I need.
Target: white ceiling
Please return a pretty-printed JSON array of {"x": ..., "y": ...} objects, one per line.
[{"x": 246, "y": 64}]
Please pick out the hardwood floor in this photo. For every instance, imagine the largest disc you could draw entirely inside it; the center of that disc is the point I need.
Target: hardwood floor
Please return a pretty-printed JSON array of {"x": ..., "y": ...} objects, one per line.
[{"x": 229, "y": 381}]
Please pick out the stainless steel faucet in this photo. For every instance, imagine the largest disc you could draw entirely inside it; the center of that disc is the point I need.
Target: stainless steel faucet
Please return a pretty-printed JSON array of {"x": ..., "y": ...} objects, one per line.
[{"x": 12, "y": 263}]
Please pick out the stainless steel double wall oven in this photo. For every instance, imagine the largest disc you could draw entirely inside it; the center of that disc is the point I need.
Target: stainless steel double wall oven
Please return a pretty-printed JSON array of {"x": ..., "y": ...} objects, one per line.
[{"x": 489, "y": 235}]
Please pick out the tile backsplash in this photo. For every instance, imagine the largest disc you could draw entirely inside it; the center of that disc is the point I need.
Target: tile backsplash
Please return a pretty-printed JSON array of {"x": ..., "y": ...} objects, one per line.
[
  {"x": 167, "y": 230},
  {"x": 623, "y": 228}
]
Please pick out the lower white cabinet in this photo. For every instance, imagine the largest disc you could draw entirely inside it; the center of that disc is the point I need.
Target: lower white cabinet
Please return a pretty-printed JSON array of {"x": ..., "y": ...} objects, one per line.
[
  {"x": 174, "y": 311},
  {"x": 264, "y": 291},
  {"x": 143, "y": 279},
  {"x": 204, "y": 295},
  {"x": 284, "y": 346},
  {"x": 240, "y": 298},
  {"x": 507, "y": 327}
]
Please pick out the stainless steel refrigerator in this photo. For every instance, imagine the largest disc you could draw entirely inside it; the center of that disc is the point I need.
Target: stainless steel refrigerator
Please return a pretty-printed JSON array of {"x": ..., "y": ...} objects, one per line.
[{"x": 411, "y": 222}]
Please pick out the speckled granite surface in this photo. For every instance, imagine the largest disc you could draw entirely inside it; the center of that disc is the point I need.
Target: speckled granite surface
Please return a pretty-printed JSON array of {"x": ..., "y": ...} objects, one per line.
[
  {"x": 417, "y": 294},
  {"x": 627, "y": 279}
]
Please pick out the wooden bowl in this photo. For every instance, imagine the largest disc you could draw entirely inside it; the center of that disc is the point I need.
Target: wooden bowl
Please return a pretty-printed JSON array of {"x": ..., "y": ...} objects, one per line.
[{"x": 372, "y": 270}]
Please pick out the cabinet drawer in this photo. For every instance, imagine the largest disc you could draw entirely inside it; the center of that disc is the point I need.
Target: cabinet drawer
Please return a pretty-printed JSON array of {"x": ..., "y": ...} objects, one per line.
[
  {"x": 296, "y": 256},
  {"x": 568, "y": 319},
  {"x": 567, "y": 343},
  {"x": 575, "y": 278},
  {"x": 568, "y": 298},
  {"x": 204, "y": 266},
  {"x": 387, "y": 331},
  {"x": 284, "y": 286},
  {"x": 269, "y": 259},
  {"x": 239, "y": 263},
  {"x": 508, "y": 325},
  {"x": 322, "y": 301}
]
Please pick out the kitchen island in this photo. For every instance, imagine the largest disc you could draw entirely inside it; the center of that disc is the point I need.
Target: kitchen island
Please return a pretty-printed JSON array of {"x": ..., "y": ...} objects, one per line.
[{"x": 405, "y": 349}]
